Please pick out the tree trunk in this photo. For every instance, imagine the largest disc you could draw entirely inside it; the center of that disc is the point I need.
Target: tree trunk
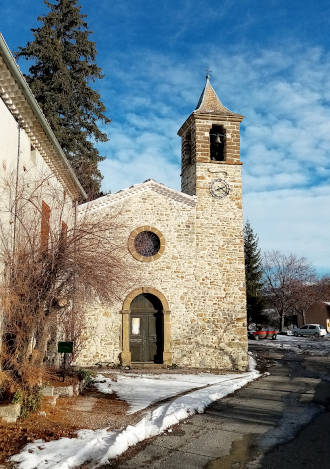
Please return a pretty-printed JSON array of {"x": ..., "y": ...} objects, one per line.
[
  {"x": 41, "y": 345},
  {"x": 1, "y": 334}
]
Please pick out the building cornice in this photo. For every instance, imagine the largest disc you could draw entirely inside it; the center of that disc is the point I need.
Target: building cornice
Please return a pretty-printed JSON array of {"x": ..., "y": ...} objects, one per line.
[
  {"x": 19, "y": 99},
  {"x": 208, "y": 116}
]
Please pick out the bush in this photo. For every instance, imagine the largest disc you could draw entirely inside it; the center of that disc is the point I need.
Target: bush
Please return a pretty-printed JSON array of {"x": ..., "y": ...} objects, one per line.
[
  {"x": 85, "y": 375},
  {"x": 30, "y": 403},
  {"x": 17, "y": 397}
]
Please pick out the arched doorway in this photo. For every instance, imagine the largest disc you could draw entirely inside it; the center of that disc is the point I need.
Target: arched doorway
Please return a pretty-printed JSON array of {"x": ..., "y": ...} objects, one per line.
[
  {"x": 146, "y": 337},
  {"x": 125, "y": 355}
]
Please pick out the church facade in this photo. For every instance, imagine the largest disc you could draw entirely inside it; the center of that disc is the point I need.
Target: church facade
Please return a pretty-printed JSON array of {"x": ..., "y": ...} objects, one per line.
[{"x": 187, "y": 304}]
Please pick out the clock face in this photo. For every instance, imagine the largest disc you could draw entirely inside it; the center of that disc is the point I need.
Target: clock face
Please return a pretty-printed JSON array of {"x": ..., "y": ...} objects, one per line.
[{"x": 219, "y": 189}]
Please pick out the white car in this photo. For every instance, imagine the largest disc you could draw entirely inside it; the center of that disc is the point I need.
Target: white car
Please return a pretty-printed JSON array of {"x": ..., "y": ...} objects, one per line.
[{"x": 315, "y": 330}]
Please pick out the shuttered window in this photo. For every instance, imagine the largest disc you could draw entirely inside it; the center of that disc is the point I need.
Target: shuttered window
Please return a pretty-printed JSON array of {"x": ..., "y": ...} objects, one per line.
[{"x": 45, "y": 217}]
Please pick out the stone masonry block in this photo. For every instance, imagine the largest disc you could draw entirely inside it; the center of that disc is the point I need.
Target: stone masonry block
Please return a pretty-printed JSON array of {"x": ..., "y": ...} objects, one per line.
[{"x": 10, "y": 412}]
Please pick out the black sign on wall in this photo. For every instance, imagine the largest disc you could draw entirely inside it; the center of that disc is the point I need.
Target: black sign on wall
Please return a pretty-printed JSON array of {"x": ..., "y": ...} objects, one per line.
[{"x": 65, "y": 347}]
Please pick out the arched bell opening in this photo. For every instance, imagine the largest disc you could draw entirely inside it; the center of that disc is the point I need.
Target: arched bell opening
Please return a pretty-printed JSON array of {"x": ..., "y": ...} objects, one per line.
[
  {"x": 217, "y": 143},
  {"x": 186, "y": 150}
]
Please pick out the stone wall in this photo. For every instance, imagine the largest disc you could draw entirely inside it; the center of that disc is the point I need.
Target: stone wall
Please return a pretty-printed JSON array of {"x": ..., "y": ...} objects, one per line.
[
  {"x": 220, "y": 277},
  {"x": 220, "y": 272},
  {"x": 172, "y": 273}
]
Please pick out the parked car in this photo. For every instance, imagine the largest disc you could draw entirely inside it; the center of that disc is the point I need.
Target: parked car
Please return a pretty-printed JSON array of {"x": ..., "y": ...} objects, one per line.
[
  {"x": 315, "y": 330},
  {"x": 286, "y": 332},
  {"x": 263, "y": 332}
]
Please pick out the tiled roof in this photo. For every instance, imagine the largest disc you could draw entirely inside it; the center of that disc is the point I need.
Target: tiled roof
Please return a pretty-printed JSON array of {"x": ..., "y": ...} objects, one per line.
[
  {"x": 210, "y": 103},
  {"x": 148, "y": 185}
]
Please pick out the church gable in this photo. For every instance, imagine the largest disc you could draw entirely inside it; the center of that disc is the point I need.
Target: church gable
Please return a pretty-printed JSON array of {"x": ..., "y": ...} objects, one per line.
[{"x": 136, "y": 191}]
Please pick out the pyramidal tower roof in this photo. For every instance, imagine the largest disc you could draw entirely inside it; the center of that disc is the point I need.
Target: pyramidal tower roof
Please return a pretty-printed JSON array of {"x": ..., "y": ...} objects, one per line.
[{"x": 209, "y": 102}]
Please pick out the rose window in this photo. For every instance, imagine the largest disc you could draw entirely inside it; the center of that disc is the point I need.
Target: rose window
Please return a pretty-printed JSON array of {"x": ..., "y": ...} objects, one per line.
[{"x": 147, "y": 243}]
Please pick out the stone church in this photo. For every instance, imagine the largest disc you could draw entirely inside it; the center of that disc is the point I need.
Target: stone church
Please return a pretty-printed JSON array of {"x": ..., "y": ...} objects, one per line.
[{"x": 188, "y": 307}]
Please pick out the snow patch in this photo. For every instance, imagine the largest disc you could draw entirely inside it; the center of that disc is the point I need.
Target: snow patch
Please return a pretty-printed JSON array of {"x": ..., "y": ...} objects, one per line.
[
  {"x": 293, "y": 419},
  {"x": 141, "y": 391},
  {"x": 99, "y": 446},
  {"x": 299, "y": 345},
  {"x": 252, "y": 362}
]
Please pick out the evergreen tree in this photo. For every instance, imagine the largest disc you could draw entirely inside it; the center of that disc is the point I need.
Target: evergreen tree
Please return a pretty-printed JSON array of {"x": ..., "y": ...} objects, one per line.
[
  {"x": 60, "y": 76},
  {"x": 253, "y": 274}
]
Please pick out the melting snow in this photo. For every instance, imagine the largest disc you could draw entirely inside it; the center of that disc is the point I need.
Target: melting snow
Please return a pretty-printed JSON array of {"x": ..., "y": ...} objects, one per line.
[
  {"x": 293, "y": 419},
  {"x": 140, "y": 391},
  {"x": 303, "y": 345},
  {"x": 102, "y": 445}
]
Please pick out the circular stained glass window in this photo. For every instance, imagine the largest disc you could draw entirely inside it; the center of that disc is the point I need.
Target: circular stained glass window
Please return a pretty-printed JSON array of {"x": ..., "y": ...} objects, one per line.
[{"x": 147, "y": 243}]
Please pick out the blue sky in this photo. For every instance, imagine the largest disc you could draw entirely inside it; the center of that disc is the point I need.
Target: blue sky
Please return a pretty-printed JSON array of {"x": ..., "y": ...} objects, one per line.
[{"x": 269, "y": 61}]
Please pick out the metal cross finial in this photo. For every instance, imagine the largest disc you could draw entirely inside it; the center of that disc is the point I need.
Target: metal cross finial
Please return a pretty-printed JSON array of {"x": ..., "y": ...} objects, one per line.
[{"x": 208, "y": 73}]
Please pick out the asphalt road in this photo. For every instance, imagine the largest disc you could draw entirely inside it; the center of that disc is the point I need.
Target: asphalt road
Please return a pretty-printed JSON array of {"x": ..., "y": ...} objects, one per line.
[{"x": 251, "y": 428}]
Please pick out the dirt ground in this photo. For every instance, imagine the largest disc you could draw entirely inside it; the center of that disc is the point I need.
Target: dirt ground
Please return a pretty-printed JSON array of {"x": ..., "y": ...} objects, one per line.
[{"x": 90, "y": 410}]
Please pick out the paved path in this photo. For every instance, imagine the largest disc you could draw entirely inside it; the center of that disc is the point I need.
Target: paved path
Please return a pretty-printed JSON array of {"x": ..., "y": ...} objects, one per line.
[{"x": 235, "y": 432}]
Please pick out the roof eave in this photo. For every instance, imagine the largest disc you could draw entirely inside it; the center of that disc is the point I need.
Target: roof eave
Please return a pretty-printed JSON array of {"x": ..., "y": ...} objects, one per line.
[
  {"x": 231, "y": 116},
  {"x": 123, "y": 194},
  {"x": 19, "y": 78},
  {"x": 219, "y": 115}
]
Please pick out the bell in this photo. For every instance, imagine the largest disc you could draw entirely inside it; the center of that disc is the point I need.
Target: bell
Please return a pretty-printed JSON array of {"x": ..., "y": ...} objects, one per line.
[{"x": 218, "y": 139}]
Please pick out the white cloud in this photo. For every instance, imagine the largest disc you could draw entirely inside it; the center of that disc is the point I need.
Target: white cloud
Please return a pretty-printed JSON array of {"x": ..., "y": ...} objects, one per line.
[
  {"x": 138, "y": 169},
  {"x": 293, "y": 221},
  {"x": 285, "y": 135}
]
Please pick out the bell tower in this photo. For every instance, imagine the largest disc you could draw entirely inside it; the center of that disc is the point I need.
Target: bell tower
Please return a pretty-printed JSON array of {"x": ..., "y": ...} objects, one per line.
[
  {"x": 211, "y": 170},
  {"x": 210, "y": 135}
]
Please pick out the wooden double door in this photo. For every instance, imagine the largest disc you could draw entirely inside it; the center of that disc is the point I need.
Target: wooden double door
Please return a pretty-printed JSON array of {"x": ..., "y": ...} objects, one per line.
[{"x": 146, "y": 329}]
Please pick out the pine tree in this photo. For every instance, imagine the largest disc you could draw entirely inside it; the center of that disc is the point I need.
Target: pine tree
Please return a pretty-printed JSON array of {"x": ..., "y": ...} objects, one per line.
[
  {"x": 60, "y": 76},
  {"x": 253, "y": 274}
]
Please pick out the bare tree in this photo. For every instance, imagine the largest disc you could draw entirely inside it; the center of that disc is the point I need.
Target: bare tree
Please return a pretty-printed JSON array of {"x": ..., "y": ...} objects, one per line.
[
  {"x": 288, "y": 279},
  {"x": 51, "y": 261},
  {"x": 325, "y": 287},
  {"x": 306, "y": 294}
]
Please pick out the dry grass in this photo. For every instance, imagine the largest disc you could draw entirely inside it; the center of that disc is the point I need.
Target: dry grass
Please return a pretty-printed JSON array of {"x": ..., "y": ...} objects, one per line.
[{"x": 90, "y": 410}]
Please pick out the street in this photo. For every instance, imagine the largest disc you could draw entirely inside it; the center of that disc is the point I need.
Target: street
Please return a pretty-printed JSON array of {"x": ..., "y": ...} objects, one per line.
[{"x": 278, "y": 421}]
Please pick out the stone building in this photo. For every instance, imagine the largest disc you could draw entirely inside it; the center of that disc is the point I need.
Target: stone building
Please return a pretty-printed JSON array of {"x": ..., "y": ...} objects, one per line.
[{"x": 188, "y": 306}]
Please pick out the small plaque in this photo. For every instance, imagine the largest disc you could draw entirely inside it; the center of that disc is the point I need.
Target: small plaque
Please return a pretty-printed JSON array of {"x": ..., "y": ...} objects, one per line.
[
  {"x": 65, "y": 347},
  {"x": 135, "y": 326}
]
